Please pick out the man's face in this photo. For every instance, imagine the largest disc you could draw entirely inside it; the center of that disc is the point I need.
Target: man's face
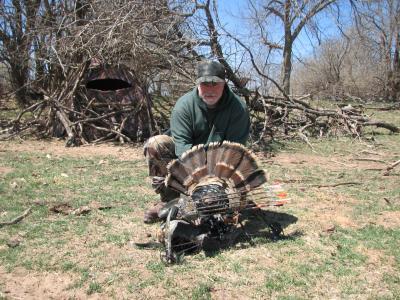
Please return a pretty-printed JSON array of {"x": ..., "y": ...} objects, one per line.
[{"x": 211, "y": 92}]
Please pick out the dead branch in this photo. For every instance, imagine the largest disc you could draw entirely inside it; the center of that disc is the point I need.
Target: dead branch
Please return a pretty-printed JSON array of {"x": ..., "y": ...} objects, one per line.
[
  {"x": 304, "y": 138},
  {"x": 371, "y": 152},
  {"x": 340, "y": 163},
  {"x": 370, "y": 159},
  {"x": 67, "y": 126},
  {"x": 380, "y": 124},
  {"x": 111, "y": 131},
  {"x": 17, "y": 219},
  {"x": 264, "y": 125},
  {"x": 336, "y": 184},
  {"x": 389, "y": 108},
  {"x": 391, "y": 167}
]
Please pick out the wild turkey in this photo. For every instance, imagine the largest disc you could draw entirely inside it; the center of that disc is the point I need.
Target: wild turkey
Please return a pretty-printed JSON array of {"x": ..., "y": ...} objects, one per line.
[
  {"x": 216, "y": 176},
  {"x": 216, "y": 183}
]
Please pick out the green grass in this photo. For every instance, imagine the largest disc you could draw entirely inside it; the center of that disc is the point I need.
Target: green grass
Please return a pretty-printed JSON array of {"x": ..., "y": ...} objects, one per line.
[
  {"x": 280, "y": 281},
  {"x": 118, "y": 239},
  {"x": 94, "y": 287},
  {"x": 358, "y": 259},
  {"x": 157, "y": 267},
  {"x": 40, "y": 182},
  {"x": 201, "y": 291},
  {"x": 84, "y": 276}
]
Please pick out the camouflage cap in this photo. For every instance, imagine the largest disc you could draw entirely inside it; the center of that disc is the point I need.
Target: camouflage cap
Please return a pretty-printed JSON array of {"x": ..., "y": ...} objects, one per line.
[{"x": 210, "y": 71}]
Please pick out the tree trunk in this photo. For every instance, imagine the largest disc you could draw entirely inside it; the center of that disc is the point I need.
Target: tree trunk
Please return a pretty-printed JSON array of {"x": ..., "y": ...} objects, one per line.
[
  {"x": 287, "y": 49},
  {"x": 19, "y": 77},
  {"x": 395, "y": 74},
  {"x": 287, "y": 67}
]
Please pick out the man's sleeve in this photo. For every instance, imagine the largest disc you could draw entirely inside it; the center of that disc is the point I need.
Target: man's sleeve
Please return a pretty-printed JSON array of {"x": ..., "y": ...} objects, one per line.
[
  {"x": 181, "y": 130},
  {"x": 239, "y": 128}
]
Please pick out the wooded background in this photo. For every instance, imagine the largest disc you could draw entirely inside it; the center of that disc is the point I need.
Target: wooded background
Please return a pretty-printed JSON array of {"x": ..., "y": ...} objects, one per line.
[{"x": 48, "y": 48}]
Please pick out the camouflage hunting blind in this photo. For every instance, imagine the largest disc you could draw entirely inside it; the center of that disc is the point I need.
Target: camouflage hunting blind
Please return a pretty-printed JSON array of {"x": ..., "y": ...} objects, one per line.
[{"x": 117, "y": 89}]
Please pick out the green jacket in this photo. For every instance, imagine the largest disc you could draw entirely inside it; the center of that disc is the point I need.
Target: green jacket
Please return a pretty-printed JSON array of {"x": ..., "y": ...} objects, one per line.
[{"x": 193, "y": 123}]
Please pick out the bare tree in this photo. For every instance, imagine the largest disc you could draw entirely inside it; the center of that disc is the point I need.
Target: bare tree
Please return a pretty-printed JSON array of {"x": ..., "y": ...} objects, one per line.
[
  {"x": 362, "y": 62},
  {"x": 325, "y": 73},
  {"x": 288, "y": 114},
  {"x": 342, "y": 68},
  {"x": 379, "y": 25},
  {"x": 18, "y": 21},
  {"x": 148, "y": 37},
  {"x": 291, "y": 17}
]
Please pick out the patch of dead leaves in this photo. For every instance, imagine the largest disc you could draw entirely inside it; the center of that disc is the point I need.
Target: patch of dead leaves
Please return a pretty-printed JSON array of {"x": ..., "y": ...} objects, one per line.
[{"x": 66, "y": 208}]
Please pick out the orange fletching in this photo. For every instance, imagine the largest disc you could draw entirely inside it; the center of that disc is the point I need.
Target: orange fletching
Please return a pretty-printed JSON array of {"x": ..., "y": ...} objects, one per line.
[{"x": 282, "y": 195}]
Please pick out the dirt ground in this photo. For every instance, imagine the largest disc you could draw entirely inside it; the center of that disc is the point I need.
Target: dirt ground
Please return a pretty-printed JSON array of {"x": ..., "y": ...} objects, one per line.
[
  {"x": 52, "y": 285},
  {"x": 23, "y": 285},
  {"x": 129, "y": 152},
  {"x": 57, "y": 148}
]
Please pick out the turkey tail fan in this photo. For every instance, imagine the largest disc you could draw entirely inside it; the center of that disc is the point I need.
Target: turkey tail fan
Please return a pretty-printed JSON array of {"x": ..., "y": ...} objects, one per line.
[
  {"x": 188, "y": 170},
  {"x": 248, "y": 164},
  {"x": 195, "y": 160},
  {"x": 229, "y": 160},
  {"x": 177, "y": 170},
  {"x": 178, "y": 176},
  {"x": 171, "y": 182},
  {"x": 244, "y": 169},
  {"x": 214, "y": 153},
  {"x": 254, "y": 180}
]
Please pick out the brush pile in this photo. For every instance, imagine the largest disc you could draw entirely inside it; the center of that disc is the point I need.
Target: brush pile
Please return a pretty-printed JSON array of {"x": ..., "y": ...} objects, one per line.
[
  {"x": 94, "y": 104},
  {"x": 288, "y": 116}
]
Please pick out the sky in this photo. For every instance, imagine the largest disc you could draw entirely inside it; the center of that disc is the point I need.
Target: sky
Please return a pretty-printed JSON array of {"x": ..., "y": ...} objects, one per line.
[{"x": 233, "y": 16}]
